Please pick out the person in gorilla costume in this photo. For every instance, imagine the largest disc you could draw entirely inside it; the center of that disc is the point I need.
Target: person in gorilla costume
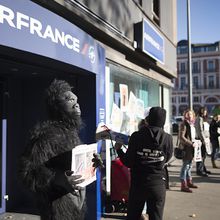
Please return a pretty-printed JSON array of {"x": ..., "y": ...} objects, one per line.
[{"x": 46, "y": 163}]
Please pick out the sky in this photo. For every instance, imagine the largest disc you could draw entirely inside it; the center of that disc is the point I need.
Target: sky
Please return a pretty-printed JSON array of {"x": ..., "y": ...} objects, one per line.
[{"x": 205, "y": 20}]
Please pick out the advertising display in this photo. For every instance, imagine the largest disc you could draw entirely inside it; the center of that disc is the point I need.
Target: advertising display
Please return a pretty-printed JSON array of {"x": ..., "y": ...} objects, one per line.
[{"x": 47, "y": 34}]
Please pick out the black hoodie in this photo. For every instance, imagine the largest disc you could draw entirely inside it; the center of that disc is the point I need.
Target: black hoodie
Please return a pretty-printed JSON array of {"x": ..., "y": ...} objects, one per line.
[{"x": 146, "y": 155}]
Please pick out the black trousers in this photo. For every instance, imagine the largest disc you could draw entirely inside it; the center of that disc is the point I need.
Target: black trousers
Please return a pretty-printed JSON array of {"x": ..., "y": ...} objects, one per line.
[
  {"x": 153, "y": 194},
  {"x": 200, "y": 166}
]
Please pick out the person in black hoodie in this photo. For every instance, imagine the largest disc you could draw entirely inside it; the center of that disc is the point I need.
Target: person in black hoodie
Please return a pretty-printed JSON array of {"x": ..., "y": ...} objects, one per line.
[{"x": 148, "y": 151}]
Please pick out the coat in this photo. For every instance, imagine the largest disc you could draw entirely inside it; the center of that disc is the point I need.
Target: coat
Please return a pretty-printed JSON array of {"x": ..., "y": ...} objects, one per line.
[
  {"x": 185, "y": 140},
  {"x": 42, "y": 170}
]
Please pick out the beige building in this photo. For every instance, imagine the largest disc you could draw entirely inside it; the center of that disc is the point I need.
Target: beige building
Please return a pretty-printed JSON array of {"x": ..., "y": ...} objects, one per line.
[{"x": 205, "y": 77}]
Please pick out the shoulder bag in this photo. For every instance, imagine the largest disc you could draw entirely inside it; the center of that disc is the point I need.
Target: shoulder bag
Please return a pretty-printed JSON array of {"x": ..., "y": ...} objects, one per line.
[{"x": 179, "y": 151}]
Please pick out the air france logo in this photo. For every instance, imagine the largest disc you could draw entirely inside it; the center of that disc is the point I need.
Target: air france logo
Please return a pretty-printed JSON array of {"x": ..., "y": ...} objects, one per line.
[
  {"x": 92, "y": 54},
  {"x": 90, "y": 51}
]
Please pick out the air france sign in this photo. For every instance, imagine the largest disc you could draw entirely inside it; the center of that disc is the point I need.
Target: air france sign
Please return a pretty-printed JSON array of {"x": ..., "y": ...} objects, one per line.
[
  {"x": 26, "y": 26},
  {"x": 152, "y": 42}
]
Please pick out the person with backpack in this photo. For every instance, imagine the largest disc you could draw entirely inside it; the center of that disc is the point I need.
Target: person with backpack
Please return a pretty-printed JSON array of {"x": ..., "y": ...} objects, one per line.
[{"x": 148, "y": 151}]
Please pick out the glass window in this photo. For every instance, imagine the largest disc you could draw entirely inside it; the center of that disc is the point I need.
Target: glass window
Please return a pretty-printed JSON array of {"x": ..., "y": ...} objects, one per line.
[
  {"x": 183, "y": 99},
  {"x": 182, "y": 83},
  {"x": 182, "y": 49},
  {"x": 211, "y": 82},
  {"x": 211, "y": 66},
  {"x": 129, "y": 95},
  {"x": 195, "y": 68},
  {"x": 182, "y": 67},
  {"x": 212, "y": 100},
  {"x": 196, "y": 99},
  {"x": 196, "y": 82},
  {"x": 139, "y": 2},
  {"x": 156, "y": 11},
  {"x": 211, "y": 48}
]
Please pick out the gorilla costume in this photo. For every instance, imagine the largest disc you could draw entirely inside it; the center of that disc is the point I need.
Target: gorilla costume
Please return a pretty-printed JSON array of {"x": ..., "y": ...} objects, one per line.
[{"x": 46, "y": 163}]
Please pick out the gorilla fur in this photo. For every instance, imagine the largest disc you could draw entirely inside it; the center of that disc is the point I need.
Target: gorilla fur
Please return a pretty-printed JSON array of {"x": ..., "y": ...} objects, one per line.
[{"x": 48, "y": 156}]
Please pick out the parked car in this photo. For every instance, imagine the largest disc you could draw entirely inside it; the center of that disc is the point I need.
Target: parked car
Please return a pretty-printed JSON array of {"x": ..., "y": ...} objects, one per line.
[{"x": 176, "y": 120}]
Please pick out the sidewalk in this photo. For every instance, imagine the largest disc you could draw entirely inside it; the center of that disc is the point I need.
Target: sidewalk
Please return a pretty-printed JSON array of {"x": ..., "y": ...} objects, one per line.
[
  {"x": 18, "y": 216},
  {"x": 203, "y": 203}
]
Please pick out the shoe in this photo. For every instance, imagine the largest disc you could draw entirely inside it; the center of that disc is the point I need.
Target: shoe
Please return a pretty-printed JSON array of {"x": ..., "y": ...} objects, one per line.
[
  {"x": 214, "y": 164},
  {"x": 208, "y": 172},
  {"x": 190, "y": 184},
  {"x": 203, "y": 174},
  {"x": 186, "y": 189}
]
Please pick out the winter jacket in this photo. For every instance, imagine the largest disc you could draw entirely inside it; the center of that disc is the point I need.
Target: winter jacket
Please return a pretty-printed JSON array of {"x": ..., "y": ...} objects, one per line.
[
  {"x": 214, "y": 132},
  {"x": 186, "y": 140}
]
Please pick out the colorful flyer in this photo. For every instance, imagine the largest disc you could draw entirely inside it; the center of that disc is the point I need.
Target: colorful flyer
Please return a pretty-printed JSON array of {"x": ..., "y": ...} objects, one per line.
[{"x": 82, "y": 162}]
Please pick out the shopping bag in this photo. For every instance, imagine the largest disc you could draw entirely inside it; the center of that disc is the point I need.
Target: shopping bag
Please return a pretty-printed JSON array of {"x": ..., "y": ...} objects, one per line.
[
  {"x": 197, "y": 151},
  {"x": 208, "y": 146}
]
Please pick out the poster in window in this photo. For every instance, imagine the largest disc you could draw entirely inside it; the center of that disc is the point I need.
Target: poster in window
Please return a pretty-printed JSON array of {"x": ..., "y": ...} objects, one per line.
[{"x": 123, "y": 97}]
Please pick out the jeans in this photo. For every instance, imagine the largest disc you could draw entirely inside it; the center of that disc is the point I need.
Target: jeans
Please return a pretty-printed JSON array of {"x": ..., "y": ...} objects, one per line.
[{"x": 185, "y": 172}]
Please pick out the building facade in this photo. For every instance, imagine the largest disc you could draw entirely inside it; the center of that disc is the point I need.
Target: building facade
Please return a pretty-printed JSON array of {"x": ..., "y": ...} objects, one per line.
[
  {"x": 205, "y": 77},
  {"x": 120, "y": 56}
]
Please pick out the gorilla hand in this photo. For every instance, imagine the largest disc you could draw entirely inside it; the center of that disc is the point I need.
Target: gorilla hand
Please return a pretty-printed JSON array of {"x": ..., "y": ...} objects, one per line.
[
  {"x": 74, "y": 180},
  {"x": 97, "y": 161}
]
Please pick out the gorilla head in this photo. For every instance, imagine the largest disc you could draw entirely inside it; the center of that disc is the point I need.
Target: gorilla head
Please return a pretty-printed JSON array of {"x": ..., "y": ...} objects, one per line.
[{"x": 62, "y": 103}]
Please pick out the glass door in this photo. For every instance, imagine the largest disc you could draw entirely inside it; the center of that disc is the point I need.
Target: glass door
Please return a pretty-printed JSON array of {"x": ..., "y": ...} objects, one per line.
[{"x": 3, "y": 129}]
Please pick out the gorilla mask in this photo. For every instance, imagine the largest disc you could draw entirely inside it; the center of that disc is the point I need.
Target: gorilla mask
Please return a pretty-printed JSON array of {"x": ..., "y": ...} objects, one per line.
[{"x": 62, "y": 103}]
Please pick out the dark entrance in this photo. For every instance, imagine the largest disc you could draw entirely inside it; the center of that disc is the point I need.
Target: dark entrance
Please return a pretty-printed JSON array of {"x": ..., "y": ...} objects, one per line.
[{"x": 22, "y": 86}]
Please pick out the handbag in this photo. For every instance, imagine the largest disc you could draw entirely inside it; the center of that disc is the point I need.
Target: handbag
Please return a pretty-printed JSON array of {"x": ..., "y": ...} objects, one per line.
[{"x": 179, "y": 151}]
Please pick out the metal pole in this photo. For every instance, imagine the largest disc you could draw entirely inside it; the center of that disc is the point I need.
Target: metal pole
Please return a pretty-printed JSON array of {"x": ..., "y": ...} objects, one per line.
[{"x": 189, "y": 57}]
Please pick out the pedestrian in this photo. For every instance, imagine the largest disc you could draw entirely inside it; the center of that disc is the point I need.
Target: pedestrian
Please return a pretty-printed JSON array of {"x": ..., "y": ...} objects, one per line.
[
  {"x": 144, "y": 122},
  {"x": 187, "y": 139},
  {"x": 148, "y": 151},
  {"x": 45, "y": 166},
  {"x": 202, "y": 131},
  {"x": 214, "y": 137}
]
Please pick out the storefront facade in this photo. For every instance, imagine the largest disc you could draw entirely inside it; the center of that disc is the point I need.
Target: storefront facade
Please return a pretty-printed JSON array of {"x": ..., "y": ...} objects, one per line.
[
  {"x": 117, "y": 58},
  {"x": 35, "y": 50}
]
